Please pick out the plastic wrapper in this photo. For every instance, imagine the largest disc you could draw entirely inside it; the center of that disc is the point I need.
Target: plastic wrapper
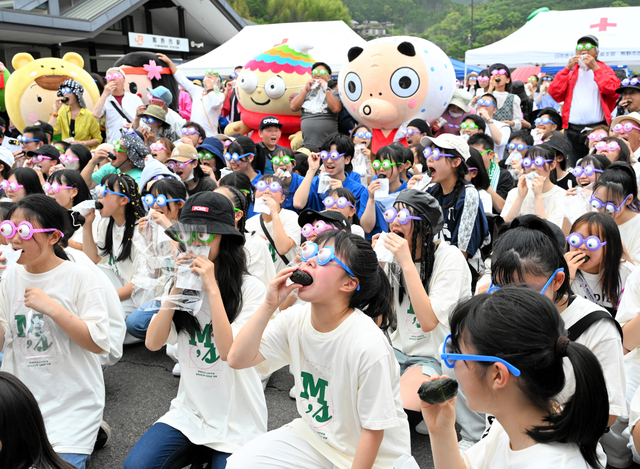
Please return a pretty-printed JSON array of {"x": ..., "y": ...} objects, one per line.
[
  {"x": 225, "y": 171},
  {"x": 405, "y": 462},
  {"x": 260, "y": 206},
  {"x": 423, "y": 183},
  {"x": 382, "y": 191},
  {"x": 324, "y": 183},
  {"x": 11, "y": 256},
  {"x": 283, "y": 174},
  {"x": 316, "y": 102},
  {"x": 38, "y": 342},
  {"x": 384, "y": 255},
  {"x": 361, "y": 164},
  {"x": 83, "y": 208},
  {"x": 529, "y": 179},
  {"x": 577, "y": 205}
]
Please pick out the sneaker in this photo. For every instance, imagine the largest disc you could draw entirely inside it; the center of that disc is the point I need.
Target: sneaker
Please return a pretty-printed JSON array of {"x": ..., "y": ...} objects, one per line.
[
  {"x": 292, "y": 392},
  {"x": 176, "y": 370},
  {"x": 104, "y": 435},
  {"x": 422, "y": 428},
  {"x": 465, "y": 444}
]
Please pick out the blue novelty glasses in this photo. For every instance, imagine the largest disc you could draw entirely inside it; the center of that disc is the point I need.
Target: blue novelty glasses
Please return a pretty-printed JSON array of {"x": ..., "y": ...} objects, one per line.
[
  {"x": 23, "y": 140},
  {"x": 493, "y": 287},
  {"x": 148, "y": 120},
  {"x": 543, "y": 120},
  {"x": 149, "y": 200},
  {"x": 485, "y": 102},
  {"x": 235, "y": 157},
  {"x": 361, "y": 134},
  {"x": 325, "y": 255},
  {"x": 592, "y": 243},
  {"x": 517, "y": 146},
  {"x": 449, "y": 357},
  {"x": 102, "y": 190}
]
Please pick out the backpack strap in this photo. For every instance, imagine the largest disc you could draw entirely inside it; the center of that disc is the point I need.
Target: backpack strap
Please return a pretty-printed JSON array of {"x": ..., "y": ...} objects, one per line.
[
  {"x": 583, "y": 324},
  {"x": 270, "y": 239}
]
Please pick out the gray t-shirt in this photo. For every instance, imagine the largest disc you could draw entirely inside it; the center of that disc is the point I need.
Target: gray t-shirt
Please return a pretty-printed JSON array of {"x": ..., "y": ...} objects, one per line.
[{"x": 321, "y": 121}]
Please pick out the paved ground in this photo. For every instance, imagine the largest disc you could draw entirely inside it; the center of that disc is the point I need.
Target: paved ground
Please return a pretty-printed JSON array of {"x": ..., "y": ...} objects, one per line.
[{"x": 140, "y": 388}]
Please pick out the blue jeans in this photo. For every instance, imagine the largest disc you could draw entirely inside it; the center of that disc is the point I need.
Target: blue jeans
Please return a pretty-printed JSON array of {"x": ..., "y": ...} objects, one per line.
[
  {"x": 164, "y": 447},
  {"x": 138, "y": 321},
  {"x": 78, "y": 460}
]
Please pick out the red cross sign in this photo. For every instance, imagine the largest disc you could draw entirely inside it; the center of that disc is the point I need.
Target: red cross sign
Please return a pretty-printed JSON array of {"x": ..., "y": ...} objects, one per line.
[{"x": 603, "y": 24}]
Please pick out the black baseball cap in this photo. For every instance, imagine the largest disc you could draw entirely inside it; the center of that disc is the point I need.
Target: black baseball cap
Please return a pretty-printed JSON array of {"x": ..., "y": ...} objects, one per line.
[
  {"x": 45, "y": 126},
  {"x": 633, "y": 83},
  {"x": 589, "y": 38},
  {"x": 270, "y": 121},
  {"x": 46, "y": 150},
  {"x": 560, "y": 144},
  {"x": 424, "y": 204},
  {"x": 332, "y": 217}
]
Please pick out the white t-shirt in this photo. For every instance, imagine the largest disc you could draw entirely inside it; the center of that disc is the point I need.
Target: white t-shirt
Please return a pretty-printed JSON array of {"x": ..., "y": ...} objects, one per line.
[
  {"x": 345, "y": 380},
  {"x": 175, "y": 121},
  {"x": 603, "y": 339},
  {"x": 553, "y": 201},
  {"x": 505, "y": 130},
  {"x": 289, "y": 220},
  {"x": 630, "y": 302},
  {"x": 494, "y": 452},
  {"x": 114, "y": 120},
  {"x": 450, "y": 282},
  {"x": 586, "y": 106},
  {"x": 65, "y": 379},
  {"x": 205, "y": 109},
  {"x": 487, "y": 203},
  {"x": 123, "y": 269},
  {"x": 630, "y": 234},
  {"x": 595, "y": 287},
  {"x": 217, "y": 406},
  {"x": 357, "y": 230},
  {"x": 259, "y": 261}
]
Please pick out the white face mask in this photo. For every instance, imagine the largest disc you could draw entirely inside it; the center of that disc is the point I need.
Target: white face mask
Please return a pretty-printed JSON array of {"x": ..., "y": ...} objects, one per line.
[
  {"x": 190, "y": 177},
  {"x": 456, "y": 114}
]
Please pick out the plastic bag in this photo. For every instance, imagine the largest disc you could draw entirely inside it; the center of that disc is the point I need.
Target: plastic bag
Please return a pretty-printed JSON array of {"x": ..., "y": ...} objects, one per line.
[
  {"x": 384, "y": 255},
  {"x": 315, "y": 102},
  {"x": 11, "y": 257},
  {"x": 324, "y": 183},
  {"x": 225, "y": 171},
  {"x": 83, "y": 208},
  {"x": 405, "y": 462},
  {"x": 283, "y": 174},
  {"x": 260, "y": 206},
  {"x": 423, "y": 183},
  {"x": 577, "y": 205},
  {"x": 382, "y": 191},
  {"x": 361, "y": 164}
]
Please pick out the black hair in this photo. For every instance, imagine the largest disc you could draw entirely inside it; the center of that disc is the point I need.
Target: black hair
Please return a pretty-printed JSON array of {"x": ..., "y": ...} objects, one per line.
[
  {"x": 302, "y": 163},
  {"x": 269, "y": 178},
  {"x": 239, "y": 201},
  {"x": 241, "y": 182},
  {"x": 528, "y": 247},
  {"x": 393, "y": 153},
  {"x": 422, "y": 236},
  {"x": 620, "y": 180},
  {"x": 624, "y": 154},
  {"x": 46, "y": 212},
  {"x": 28, "y": 178},
  {"x": 83, "y": 154},
  {"x": 343, "y": 144},
  {"x": 242, "y": 146},
  {"x": 4, "y": 209},
  {"x": 484, "y": 73},
  {"x": 70, "y": 177},
  {"x": 196, "y": 126},
  {"x": 171, "y": 188},
  {"x": 493, "y": 98},
  {"x": 498, "y": 66},
  {"x": 22, "y": 431},
  {"x": 603, "y": 226},
  {"x": 547, "y": 153},
  {"x": 600, "y": 162},
  {"x": 99, "y": 82},
  {"x": 65, "y": 145},
  {"x": 346, "y": 193},
  {"x": 37, "y": 132},
  {"x": 523, "y": 327},
  {"x": 321, "y": 64},
  {"x": 537, "y": 82},
  {"x": 405, "y": 153},
  {"x": 461, "y": 172},
  {"x": 284, "y": 151},
  {"x": 124, "y": 184},
  {"x": 481, "y": 180},
  {"x": 479, "y": 121},
  {"x": 523, "y": 135},
  {"x": 481, "y": 139},
  {"x": 368, "y": 129},
  {"x": 374, "y": 296}
]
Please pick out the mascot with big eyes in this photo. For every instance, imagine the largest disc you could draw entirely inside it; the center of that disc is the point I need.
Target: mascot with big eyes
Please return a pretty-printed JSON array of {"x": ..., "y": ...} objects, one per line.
[
  {"x": 32, "y": 89},
  {"x": 394, "y": 80},
  {"x": 145, "y": 70},
  {"x": 265, "y": 86}
]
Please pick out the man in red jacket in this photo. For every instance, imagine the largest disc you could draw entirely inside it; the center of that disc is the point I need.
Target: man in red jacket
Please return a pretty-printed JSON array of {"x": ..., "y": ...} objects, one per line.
[{"x": 588, "y": 89}]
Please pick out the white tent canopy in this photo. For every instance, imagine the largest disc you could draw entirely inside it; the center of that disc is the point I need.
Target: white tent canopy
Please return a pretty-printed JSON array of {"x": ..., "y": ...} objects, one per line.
[
  {"x": 550, "y": 39},
  {"x": 331, "y": 40}
]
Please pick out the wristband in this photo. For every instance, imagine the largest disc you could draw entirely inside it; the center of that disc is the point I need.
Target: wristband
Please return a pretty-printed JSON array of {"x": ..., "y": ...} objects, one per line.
[{"x": 54, "y": 115}]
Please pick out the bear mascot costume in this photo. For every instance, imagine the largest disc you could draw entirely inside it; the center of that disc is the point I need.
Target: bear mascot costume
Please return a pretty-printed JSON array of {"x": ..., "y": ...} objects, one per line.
[{"x": 393, "y": 80}]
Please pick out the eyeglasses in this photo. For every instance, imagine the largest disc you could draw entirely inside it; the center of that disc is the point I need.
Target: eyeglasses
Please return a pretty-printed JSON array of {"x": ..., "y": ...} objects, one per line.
[
  {"x": 190, "y": 131},
  {"x": 171, "y": 164},
  {"x": 485, "y": 79},
  {"x": 212, "y": 72},
  {"x": 385, "y": 164},
  {"x": 113, "y": 76},
  {"x": 117, "y": 147},
  {"x": 161, "y": 200},
  {"x": 517, "y": 146},
  {"x": 502, "y": 71},
  {"x": 547, "y": 78},
  {"x": 597, "y": 136},
  {"x": 539, "y": 161},
  {"x": 435, "y": 153},
  {"x": 53, "y": 188},
  {"x": 449, "y": 357},
  {"x": 472, "y": 79},
  {"x": 532, "y": 79},
  {"x": 151, "y": 97},
  {"x": 13, "y": 186},
  {"x": 587, "y": 46},
  {"x": 205, "y": 155},
  {"x": 596, "y": 203},
  {"x": 64, "y": 90},
  {"x": 278, "y": 160},
  {"x": 235, "y": 157},
  {"x": 334, "y": 155},
  {"x": 188, "y": 237},
  {"x": 317, "y": 72},
  {"x": 319, "y": 227},
  {"x": 66, "y": 159},
  {"x": 325, "y": 255},
  {"x": 410, "y": 132},
  {"x": 274, "y": 186},
  {"x": 157, "y": 146},
  {"x": 587, "y": 170},
  {"x": 341, "y": 202},
  {"x": 619, "y": 128},
  {"x": 485, "y": 102},
  {"x": 403, "y": 216},
  {"x": 24, "y": 140},
  {"x": 101, "y": 191},
  {"x": 468, "y": 125},
  {"x": 493, "y": 287},
  {"x": 592, "y": 243},
  {"x": 25, "y": 230},
  {"x": 543, "y": 120},
  {"x": 40, "y": 158},
  {"x": 611, "y": 146},
  {"x": 630, "y": 81},
  {"x": 360, "y": 134},
  {"x": 149, "y": 120}
]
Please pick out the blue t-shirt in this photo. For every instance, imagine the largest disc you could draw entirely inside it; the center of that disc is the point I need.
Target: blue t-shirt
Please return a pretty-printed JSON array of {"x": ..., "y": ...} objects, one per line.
[
  {"x": 382, "y": 205},
  {"x": 256, "y": 179},
  {"x": 360, "y": 192},
  {"x": 546, "y": 101},
  {"x": 465, "y": 224},
  {"x": 296, "y": 180}
]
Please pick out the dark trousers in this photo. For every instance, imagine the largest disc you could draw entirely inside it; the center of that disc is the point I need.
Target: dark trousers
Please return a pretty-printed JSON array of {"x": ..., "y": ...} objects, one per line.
[{"x": 577, "y": 135}]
